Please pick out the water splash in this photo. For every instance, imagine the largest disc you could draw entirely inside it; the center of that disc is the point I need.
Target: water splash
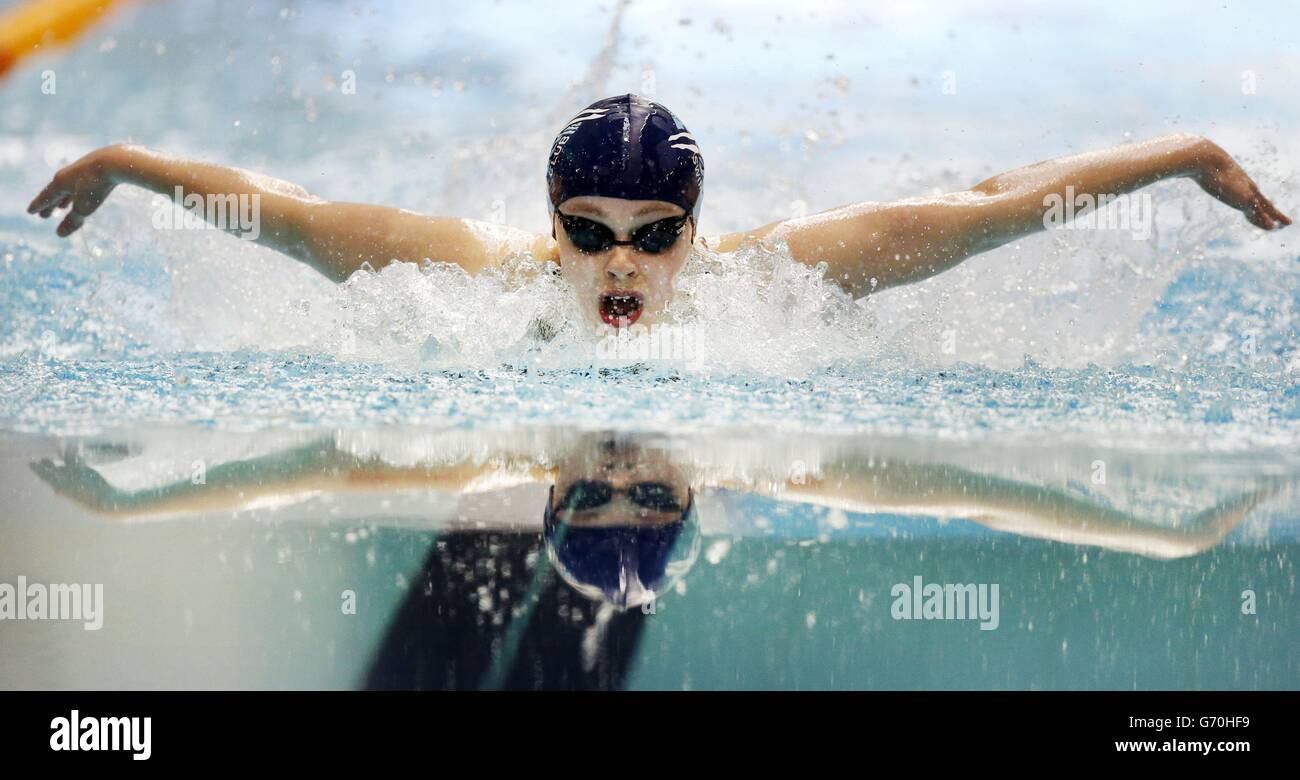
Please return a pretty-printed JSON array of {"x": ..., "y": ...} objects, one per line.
[{"x": 1190, "y": 335}]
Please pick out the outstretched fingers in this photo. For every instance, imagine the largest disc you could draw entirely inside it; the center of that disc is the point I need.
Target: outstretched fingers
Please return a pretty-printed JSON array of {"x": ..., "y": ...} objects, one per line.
[
  {"x": 70, "y": 224},
  {"x": 1258, "y": 216},
  {"x": 83, "y": 200},
  {"x": 1265, "y": 207},
  {"x": 81, "y": 208},
  {"x": 55, "y": 195},
  {"x": 63, "y": 203},
  {"x": 1231, "y": 185}
]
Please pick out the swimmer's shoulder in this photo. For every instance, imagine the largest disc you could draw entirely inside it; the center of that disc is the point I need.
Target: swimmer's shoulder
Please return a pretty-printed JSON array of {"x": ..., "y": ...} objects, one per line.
[
  {"x": 730, "y": 242},
  {"x": 545, "y": 248},
  {"x": 499, "y": 242}
]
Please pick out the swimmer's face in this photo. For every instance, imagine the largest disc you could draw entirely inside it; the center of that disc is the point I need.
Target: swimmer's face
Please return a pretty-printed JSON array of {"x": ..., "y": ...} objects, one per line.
[{"x": 623, "y": 284}]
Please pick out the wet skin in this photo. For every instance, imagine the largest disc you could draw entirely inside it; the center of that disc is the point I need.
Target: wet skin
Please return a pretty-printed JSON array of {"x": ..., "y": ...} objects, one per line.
[
  {"x": 866, "y": 246},
  {"x": 621, "y": 269}
]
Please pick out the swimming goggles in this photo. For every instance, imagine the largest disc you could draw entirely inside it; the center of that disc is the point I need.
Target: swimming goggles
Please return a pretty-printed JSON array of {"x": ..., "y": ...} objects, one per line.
[
  {"x": 592, "y": 237},
  {"x": 589, "y": 494}
]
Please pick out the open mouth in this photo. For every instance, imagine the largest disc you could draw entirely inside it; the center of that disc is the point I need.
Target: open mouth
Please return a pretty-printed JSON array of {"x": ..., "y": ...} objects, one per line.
[{"x": 620, "y": 308}]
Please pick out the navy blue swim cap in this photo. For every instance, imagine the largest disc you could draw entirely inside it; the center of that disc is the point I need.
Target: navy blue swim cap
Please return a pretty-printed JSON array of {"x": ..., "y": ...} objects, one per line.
[
  {"x": 627, "y": 147},
  {"x": 623, "y": 565}
]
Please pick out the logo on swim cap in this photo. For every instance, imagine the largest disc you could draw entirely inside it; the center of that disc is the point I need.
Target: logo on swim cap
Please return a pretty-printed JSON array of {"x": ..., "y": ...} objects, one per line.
[
  {"x": 567, "y": 132},
  {"x": 684, "y": 145},
  {"x": 627, "y": 147}
]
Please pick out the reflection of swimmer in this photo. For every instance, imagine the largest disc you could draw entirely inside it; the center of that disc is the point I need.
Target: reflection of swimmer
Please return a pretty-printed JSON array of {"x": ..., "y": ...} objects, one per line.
[
  {"x": 625, "y": 180},
  {"x": 623, "y": 528},
  {"x": 621, "y": 518}
]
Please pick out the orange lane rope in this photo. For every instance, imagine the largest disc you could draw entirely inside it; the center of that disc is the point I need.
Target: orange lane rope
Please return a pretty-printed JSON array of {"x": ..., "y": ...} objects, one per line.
[{"x": 36, "y": 25}]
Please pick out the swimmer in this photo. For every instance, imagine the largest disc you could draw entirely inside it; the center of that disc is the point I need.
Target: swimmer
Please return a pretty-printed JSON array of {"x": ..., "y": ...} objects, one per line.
[{"x": 625, "y": 181}]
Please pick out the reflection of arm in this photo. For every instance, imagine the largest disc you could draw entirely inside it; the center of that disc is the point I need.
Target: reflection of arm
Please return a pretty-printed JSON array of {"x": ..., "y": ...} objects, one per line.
[
  {"x": 314, "y": 468},
  {"x": 1016, "y": 507}
]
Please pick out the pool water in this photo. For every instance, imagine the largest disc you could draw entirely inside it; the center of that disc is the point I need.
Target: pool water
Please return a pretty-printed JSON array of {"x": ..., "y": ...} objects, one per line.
[
  {"x": 128, "y": 354},
  {"x": 339, "y": 559}
]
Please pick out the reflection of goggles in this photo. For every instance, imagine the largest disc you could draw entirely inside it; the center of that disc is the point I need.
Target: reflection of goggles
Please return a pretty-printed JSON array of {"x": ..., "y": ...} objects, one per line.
[
  {"x": 591, "y": 236},
  {"x": 590, "y": 493}
]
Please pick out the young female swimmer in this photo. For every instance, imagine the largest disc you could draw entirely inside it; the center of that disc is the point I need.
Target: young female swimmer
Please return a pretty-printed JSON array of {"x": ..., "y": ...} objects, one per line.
[{"x": 625, "y": 179}]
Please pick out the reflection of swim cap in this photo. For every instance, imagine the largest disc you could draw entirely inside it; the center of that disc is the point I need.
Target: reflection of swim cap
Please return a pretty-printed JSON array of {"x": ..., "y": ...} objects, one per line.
[
  {"x": 626, "y": 566},
  {"x": 627, "y": 147}
]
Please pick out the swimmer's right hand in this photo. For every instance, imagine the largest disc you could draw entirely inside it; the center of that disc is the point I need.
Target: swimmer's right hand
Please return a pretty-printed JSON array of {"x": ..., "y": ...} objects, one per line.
[
  {"x": 82, "y": 185},
  {"x": 335, "y": 238}
]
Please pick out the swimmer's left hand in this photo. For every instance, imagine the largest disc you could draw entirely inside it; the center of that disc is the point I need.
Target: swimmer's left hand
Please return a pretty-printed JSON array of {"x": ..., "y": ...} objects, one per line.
[{"x": 1222, "y": 177}]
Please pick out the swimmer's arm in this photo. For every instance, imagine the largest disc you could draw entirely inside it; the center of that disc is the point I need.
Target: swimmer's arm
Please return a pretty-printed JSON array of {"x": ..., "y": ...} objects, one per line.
[
  {"x": 1016, "y": 507},
  {"x": 298, "y": 473},
  {"x": 871, "y": 246},
  {"x": 334, "y": 238}
]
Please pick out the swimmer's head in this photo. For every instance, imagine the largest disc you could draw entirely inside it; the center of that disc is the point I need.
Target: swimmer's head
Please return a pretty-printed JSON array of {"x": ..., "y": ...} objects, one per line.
[
  {"x": 620, "y": 523},
  {"x": 625, "y": 180}
]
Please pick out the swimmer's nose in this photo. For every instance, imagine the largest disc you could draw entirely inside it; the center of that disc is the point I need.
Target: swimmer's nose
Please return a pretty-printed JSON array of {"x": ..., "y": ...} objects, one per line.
[{"x": 620, "y": 267}]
